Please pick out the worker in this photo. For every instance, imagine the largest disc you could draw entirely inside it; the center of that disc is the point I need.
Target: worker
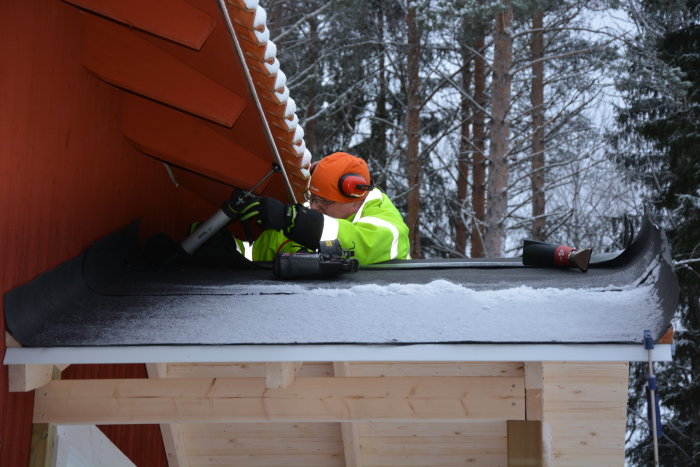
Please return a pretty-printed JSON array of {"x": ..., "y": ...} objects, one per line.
[{"x": 343, "y": 205}]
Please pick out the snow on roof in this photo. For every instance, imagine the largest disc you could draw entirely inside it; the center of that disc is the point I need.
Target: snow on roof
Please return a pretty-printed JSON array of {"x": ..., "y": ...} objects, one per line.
[
  {"x": 249, "y": 20},
  {"x": 95, "y": 300}
]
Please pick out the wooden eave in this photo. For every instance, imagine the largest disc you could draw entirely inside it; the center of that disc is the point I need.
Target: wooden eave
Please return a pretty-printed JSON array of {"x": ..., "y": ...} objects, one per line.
[{"x": 186, "y": 97}]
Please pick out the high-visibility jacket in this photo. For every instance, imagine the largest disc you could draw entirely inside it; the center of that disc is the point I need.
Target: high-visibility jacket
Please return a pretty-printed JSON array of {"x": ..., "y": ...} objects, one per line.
[{"x": 376, "y": 232}]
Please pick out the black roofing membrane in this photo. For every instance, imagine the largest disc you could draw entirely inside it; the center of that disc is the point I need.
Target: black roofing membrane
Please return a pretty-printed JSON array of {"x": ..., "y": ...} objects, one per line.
[{"x": 105, "y": 298}]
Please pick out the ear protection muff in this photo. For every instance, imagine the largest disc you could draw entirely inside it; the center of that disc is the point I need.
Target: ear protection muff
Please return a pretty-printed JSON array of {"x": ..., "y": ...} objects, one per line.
[
  {"x": 312, "y": 167},
  {"x": 353, "y": 185}
]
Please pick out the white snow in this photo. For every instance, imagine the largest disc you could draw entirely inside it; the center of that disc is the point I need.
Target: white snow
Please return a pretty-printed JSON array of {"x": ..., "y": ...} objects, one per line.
[
  {"x": 290, "y": 108},
  {"x": 282, "y": 96},
  {"x": 251, "y": 4},
  {"x": 437, "y": 312},
  {"x": 298, "y": 135},
  {"x": 263, "y": 36},
  {"x": 306, "y": 159},
  {"x": 292, "y": 123},
  {"x": 280, "y": 80},
  {"x": 260, "y": 19},
  {"x": 270, "y": 51},
  {"x": 300, "y": 148}
]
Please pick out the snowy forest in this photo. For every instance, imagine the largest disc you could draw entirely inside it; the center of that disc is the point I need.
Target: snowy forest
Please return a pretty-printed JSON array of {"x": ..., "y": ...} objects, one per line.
[{"x": 491, "y": 121}]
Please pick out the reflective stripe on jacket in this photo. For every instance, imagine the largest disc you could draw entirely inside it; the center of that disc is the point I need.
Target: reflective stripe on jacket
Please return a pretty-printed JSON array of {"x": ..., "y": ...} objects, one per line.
[{"x": 376, "y": 233}]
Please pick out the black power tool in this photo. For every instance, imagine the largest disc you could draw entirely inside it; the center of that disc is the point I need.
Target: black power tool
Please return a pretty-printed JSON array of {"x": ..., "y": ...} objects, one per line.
[{"x": 330, "y": 260}]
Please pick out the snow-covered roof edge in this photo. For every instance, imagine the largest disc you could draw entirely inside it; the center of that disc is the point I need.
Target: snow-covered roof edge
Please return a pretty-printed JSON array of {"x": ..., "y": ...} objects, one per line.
[{"x": 248, "y": 21}]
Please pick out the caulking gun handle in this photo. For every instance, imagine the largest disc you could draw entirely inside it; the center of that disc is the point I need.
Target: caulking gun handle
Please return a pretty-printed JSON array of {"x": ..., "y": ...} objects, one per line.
[
  {"x": 204, "y": 231},
  {"x": 229, "y": 212}
]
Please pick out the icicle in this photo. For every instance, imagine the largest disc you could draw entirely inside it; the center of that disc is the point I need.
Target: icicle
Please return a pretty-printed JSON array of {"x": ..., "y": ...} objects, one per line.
[
  {"x": 270, "y": 52},
  {"x": 259, "y": 23},
  {"x": 305, "y": 173},
  {"x": 263, "y": 36}
]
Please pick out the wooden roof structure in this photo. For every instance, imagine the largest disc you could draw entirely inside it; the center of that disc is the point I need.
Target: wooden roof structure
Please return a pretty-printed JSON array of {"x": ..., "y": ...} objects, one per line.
[{"x": 113, "y": 110}]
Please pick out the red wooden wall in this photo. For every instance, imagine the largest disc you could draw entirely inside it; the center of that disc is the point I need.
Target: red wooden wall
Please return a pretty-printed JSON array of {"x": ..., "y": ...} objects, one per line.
[{"x": 67, "y": 178}]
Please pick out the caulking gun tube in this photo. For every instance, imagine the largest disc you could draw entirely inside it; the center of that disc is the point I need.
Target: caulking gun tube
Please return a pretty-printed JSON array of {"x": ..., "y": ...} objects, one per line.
[{"x": 208, "y": 228}]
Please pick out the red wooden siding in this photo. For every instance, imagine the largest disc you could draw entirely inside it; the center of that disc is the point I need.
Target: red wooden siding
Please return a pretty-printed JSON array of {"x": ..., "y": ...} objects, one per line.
[{"x": 67, "y": 178}]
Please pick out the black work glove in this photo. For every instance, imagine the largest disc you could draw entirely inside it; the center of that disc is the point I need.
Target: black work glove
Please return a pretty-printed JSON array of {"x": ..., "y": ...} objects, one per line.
[
  {"x": 269, "y": 213},
  {"x": 297, "y": 222}
]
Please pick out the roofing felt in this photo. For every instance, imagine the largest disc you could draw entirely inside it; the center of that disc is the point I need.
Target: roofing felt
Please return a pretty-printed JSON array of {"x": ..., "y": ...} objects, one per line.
[{"x": 102, "y": 298}]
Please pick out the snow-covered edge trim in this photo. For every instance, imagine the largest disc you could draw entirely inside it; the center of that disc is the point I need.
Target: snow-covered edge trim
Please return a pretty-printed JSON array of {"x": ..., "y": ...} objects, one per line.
[
  {"x": 338, "y": 353},
  {"x": 281, "y": 91}
]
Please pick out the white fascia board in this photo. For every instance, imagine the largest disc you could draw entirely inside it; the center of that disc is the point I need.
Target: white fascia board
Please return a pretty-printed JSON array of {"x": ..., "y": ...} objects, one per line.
[{"x": 326, "y": 353}]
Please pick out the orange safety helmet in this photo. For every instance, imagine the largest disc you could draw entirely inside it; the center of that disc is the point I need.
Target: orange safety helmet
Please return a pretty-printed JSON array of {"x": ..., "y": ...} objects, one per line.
[{"x": 340, "y": 177}]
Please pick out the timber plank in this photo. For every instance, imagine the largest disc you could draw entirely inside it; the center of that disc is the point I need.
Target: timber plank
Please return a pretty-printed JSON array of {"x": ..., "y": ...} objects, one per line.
[
  {"x": 308, "y": 399},
  {"x": 175, "y": 20},
  {"x": 253, "y": 430},
  {"x": 232, "y": 370},
  {"x": 187, "y": 142},
  {"x": 585, "y": 405},
  {"x": 437, "y": 369},
  {"x": 466, "y": 429},
  {"x": 269, "y": 460},
  {"x": 125, "y": 60}
]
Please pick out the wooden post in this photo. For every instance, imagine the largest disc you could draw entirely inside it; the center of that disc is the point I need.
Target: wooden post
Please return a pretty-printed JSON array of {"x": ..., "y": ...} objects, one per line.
[
  {"x": 349, "y": 430},
  {"x": 170, "y": 432},
  {"x": 43, "y": 445},
  {"x": 525, "y": 443},
  {"x": 534, "y": 385},
  {"x": 279, "y": 375}
]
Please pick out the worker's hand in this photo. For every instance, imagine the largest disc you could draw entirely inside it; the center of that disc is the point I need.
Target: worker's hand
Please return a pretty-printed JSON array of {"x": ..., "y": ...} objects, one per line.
[
  {"x": 269, "y": 213},
  {"x": 240, "y": 200}
]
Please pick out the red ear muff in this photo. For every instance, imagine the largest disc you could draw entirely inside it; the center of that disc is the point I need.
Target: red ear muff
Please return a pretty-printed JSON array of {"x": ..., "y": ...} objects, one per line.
[
  {"x": 353, "y": 185},
  {"x": 312, "y": 167}
]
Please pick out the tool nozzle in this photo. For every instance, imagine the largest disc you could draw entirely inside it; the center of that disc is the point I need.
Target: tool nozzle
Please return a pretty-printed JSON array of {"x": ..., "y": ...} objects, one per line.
[{"x": 581, "y": 258}]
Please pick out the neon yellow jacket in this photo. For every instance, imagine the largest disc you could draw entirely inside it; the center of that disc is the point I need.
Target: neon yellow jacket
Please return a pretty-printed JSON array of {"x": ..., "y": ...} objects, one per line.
[{"x": 376, "y": 233}]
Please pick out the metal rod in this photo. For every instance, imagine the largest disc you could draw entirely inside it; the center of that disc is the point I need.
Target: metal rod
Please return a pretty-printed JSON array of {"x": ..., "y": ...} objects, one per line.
[
  {"x": 652, "y": 409},
  {"x": 256, "y": 99}
]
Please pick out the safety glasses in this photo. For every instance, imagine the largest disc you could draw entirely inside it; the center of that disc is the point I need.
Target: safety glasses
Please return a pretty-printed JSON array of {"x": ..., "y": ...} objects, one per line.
[{"x": 313, "y": 199}]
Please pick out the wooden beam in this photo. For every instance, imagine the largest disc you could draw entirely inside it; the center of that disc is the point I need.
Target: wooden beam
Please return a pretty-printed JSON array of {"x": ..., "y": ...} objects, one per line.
[
  {"x": 349, "y": 430},
  {"x": 173, "y": 400},
  {"x": 525, "y": 444},
  {"x": 175, "y": 20},
  {"x": 119, "y": 57},
  {"x": 181, "y": 140},
  {"x": 281, "y": 374},
  {"x": 43, "y": 445},
  {"x": 11, "y": 341},
  {"x": 170, "y": 432},
  {"x": 23, "y": 378},
  {"x": 534, "y": 385}
]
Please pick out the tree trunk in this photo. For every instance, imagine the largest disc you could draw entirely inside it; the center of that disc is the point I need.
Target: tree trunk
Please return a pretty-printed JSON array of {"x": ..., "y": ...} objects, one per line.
[
  {"x": 537, "y": 100},
  {"x": 463, "y": 160},
  {"x": 413, "y": 131},
  {"x": 378, "y": 146},
  {"x": 478, "y": 159},
  {"x": 313, "y": 58},
  {"x": 497, "y": 184}
]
